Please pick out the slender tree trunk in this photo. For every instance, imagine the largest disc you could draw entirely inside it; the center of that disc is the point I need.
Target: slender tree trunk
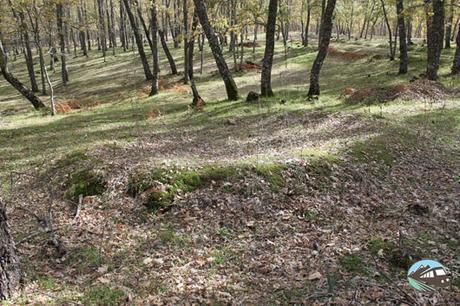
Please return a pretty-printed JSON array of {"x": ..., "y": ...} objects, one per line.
[
  {"x": 81, "y": 31},
  {"x": 230, "y": 85},
  {"x": 123, "y": 36},
  {"x": 307, "y": 24},
  {"x": 102, "y": 28},
  {"x": 112, "y": 29},
  {"x": 144, "y": 25},
  {"x": 60, "y": 26},
  {"x": 37, "y": 39},
  {"x": 156, "y": 64},
  {"x": 450, "y": 21},
  {"x": 390, "y": 36},
  {"x": 266, "y": 83},
  {"x": 23, "y": 90},
  {"x": 168, "y": 54},
  {"x": 456, "y": 64},
  {"x": 325, "y": 38},
  {"x": 88, "y": 36},
  {"x": 28, "y": 53},
  {"x": 10, "y": 274},
  {"x": 186, "y": 45},
  {"x": 138, "y": 39},
  {"x": 191, "y": 47},
  {"x": 435, "y": 32},
  {"x": 403, "y": 57}
]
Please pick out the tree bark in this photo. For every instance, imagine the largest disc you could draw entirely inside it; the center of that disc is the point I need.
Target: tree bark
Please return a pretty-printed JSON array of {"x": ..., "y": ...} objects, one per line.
[
  {"x": 191, "y": 47},
  {"x": 456, "y": 65},
  {"x": 450, "y": 21},
  {"x": 324, "y": 40},
  {"x": 186, "y": 45},
  {"x": 28, "y": 54},
  {"x": 435, "y": 31},
  {"x": 168, "y": 54},
  {"x": 59, "y": 16},
  {"x": 10, "y": 274},
  {"x": 403, "y": 57},
  {"x": 102, "y": 28},
  {"x": 266, "y": 82},
  {"x": 138, "y": 39},
  {"x": 230, "y": 85},
  {"x": 156, "y": 64},
  {"x": 307, "y": 24},
  {"x": 390, "y": 36}
]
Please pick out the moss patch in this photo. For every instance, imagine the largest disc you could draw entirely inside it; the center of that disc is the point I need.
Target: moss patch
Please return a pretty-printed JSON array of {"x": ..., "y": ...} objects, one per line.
[
  {"x": 84, "y": 182},
  {"x": 103, "y": 295},
  {"x": 354, "y": 263}
]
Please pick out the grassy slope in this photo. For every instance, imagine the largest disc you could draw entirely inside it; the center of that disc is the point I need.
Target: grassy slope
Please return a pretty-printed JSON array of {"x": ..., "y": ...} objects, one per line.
[{"x": 397, "y": 135}]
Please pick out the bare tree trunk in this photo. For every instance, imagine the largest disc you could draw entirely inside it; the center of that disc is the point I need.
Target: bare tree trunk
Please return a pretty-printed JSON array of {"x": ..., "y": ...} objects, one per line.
[
  {"x": 168, "y": 54},
  {"x": 102, "y": 28},
  {"x": 59, "y": 16},
  {"x": 390, "y": 36},
  {"x": 37, "y": 40},
  {"x": 10, "y": 274},
  {"x": 81, "y": 31},
  {"x": 307, "y": 24},
  {"x": 138, "y": 38},
  {"x": 191, "y": 47},
  {"x": 123, "y": 34},
  {"x": 186, "y": 45},
  {"x": 325, "y": 38},
  {"x": 456, "y": 64},
  {"x": 156, "y": 64},
  {"x": 266, "y": 82},
  {"x": 435, "y": 31},
  {"x": 403, "y": 57},
  {"x": 23, "y": 90},
  {"x": 28, "y": 53},
  {"x": 450, "y": 21},
  {"x": 230, "y": 85}
]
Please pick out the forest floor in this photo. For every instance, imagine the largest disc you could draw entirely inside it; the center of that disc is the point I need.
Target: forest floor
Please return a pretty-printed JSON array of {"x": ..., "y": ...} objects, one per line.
[{"x": 286, "y": 201}]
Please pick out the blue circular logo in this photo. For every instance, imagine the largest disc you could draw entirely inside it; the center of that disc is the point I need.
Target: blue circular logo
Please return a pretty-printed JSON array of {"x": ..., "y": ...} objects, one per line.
[{"x": 428, "y": 275}]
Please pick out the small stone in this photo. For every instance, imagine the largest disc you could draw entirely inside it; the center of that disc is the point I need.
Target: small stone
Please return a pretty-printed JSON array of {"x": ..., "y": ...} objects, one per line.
[
  {"x": 103, "y": 269},
  {"x": 231, "y": 122},
  {"x": 314, "y": 276},
  {"x": 147, "y": 261}
]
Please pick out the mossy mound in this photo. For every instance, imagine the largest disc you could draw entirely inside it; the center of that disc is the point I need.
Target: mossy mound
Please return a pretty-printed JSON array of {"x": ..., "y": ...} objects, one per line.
[{"x": 84, "y": 182}]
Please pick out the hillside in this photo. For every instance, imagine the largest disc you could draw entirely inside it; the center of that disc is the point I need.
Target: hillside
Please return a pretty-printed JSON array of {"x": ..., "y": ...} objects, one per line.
[{"x": 283, "y": 201}]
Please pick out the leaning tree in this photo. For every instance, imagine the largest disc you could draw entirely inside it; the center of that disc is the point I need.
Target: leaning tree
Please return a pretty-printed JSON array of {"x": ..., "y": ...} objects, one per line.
[
  {"x": 18, "y": 85},
  {"x": 230, "y": 85}
]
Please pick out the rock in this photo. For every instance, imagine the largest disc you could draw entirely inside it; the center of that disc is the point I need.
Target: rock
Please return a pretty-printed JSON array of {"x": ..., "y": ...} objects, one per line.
[
  {"x": 230, "y": 121},
  {"x": 314, "y": 276},
  {"x": 252, "y": 97},
  {"x": 147, "y": 261},
  {"x": 103, "y": 269}
]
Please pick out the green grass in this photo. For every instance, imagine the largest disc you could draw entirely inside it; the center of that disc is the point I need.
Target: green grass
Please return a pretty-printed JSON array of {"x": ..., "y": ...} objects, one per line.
[
  {"x": 354, "y": 263},
  {"x": 103, "y": 296}
]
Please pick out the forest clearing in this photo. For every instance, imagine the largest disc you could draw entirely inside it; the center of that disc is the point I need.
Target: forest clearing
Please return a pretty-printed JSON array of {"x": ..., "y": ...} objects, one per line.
[{"x": 225, "y": 189}]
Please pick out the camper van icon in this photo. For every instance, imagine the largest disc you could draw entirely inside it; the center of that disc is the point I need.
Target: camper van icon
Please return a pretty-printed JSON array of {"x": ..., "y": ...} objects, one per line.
[{"x": 428, "y": 275}]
